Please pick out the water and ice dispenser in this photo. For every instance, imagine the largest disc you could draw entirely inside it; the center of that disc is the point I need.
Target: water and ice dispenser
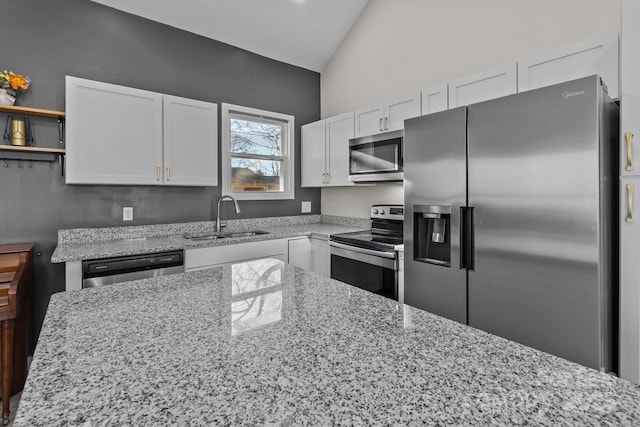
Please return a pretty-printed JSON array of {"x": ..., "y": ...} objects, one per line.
[{"x": 432, "y": 234}]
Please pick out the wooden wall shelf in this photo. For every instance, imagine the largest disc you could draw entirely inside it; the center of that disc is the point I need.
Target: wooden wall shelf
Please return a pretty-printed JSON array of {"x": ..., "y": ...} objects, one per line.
[
  {"x": 12, "y": 109},
  {"x": 32, "y": 149}
]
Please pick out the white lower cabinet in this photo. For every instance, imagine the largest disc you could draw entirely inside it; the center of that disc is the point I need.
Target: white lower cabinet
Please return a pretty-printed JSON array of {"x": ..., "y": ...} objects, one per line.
[
  {"x": 299, "y": 252},
  {"x": 320, "y": 261},
  {"x": 201, "y": 258}
]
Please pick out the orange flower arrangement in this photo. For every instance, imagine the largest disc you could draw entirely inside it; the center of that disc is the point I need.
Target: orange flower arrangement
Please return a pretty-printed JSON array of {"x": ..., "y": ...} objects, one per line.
[{"x": 13, "y": 82}]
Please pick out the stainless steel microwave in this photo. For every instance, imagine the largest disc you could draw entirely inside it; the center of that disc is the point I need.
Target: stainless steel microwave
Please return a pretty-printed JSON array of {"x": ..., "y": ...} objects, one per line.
[{"x": 376, "y": 158}]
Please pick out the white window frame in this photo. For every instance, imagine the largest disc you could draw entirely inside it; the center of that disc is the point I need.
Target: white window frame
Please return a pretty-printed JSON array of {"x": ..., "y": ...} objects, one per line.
[{"x": 288, "y": 153}]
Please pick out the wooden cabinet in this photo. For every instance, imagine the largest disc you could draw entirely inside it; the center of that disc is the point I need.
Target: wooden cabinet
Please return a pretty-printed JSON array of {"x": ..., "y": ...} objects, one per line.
[
  {"x": 488, "y": 84},
  {"x": 435, "y": 98},
  {"x": 597, "y": 55},
  {"x": 121, "y": 135},
  {"x": 630, "y": 192},
  {"x": 201, "y": 258},
  {"x": 15, "y": 307},
  {"x": 388, "y": 115},
  {"x": 325, "y": 152}
]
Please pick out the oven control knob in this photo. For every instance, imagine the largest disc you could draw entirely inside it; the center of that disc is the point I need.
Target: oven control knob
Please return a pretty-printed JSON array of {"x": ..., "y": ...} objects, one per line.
[
  {"x": 375, "y": 211},
  {"x": 381, "y": 211}
]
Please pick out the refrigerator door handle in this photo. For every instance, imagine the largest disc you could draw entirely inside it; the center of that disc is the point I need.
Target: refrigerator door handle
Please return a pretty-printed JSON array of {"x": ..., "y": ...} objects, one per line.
[{"x": 467, "y": 240}]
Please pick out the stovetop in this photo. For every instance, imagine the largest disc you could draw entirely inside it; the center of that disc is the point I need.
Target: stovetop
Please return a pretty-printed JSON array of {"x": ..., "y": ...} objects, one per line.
[{"x": 386, "y": 233}]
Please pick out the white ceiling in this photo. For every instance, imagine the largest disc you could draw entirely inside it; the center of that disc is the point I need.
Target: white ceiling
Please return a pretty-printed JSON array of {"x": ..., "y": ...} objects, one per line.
[{"x": 305, "y": 33}]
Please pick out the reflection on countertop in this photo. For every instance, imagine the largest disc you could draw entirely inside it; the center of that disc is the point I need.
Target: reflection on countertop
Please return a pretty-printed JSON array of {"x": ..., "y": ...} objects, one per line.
[{"x": 263, "y": 342}]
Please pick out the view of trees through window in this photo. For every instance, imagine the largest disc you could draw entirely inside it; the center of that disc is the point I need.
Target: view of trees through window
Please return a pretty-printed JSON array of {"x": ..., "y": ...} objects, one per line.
[{"x": 256, "y": 154}]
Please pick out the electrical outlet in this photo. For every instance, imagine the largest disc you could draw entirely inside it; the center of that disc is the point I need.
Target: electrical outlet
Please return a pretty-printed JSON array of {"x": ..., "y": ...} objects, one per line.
[
  {"x": 306, "y": 207},
  {"x": 127, "y": 213}
]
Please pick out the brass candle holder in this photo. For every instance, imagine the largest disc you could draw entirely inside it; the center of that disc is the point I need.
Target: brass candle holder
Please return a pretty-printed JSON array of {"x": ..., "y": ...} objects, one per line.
[{"x": 18, "y": 131}]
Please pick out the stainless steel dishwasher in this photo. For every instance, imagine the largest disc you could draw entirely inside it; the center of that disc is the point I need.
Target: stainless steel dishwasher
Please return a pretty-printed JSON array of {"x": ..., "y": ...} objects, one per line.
[{"x": 107, "y": 271}]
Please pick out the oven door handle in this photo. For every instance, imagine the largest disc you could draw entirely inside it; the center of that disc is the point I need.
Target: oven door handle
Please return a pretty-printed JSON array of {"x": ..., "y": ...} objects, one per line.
[{"x": 381, "y": 254}]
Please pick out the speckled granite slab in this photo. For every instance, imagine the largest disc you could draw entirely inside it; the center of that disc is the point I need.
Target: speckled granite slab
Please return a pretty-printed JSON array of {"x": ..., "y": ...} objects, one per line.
[
  {"x": 265, "y": 343},
  {"x": 93, "y": 243}
]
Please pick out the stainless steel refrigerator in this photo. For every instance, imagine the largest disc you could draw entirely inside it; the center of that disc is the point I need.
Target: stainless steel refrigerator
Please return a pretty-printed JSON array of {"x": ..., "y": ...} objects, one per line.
[{"x": 509, "y": 218}]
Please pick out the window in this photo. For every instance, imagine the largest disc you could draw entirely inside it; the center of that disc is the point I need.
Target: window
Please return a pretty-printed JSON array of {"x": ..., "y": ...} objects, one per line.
[{"x": 257, "y": 153}]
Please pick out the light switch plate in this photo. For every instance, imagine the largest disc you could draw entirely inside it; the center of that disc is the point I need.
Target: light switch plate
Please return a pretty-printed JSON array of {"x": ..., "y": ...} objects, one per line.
[
  {"x": 306, "y": 207},
  {"x": 127, "y": 213}
]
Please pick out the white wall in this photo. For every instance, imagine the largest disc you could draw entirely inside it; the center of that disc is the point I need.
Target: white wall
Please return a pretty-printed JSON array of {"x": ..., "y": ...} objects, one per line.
[{"x": 398, "y": 46}]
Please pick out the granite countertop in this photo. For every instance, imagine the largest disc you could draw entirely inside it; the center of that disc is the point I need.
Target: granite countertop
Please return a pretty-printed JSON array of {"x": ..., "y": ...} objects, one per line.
[
  {"x": 266, "y": 343},
  {"x": 83, "y": 244}
]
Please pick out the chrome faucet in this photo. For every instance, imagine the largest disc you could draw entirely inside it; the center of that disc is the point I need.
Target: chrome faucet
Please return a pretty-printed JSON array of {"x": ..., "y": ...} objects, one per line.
[{"x": 218, "y": 220}]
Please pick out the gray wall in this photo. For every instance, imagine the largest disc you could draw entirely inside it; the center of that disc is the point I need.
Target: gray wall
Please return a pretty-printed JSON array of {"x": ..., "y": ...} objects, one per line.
[{"x": 47, "y": 40}]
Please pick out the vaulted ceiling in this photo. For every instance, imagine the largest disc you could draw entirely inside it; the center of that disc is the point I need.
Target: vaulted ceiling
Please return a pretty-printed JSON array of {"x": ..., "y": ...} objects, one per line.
[{"x": 304, "y": 33}]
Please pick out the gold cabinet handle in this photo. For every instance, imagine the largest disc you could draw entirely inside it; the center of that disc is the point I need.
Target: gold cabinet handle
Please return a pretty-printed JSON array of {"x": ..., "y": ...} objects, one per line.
[
  {"x": 628, "y": 136},
  {"x": 386, "y": 123},
  {"x": 168, "y": 168},
  {"x": 157, "y": 173},
  {"x": 629, "y": 203},
  {"x": 380, "y": 124}
]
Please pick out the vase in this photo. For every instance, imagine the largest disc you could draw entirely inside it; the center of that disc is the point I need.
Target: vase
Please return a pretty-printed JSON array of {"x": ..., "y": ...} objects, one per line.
[{"x": 5, "y": 98}]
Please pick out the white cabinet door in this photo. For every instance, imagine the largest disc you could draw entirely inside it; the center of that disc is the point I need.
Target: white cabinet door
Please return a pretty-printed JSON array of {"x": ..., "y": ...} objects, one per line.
[
  {"x": 435, "y": 98},
  {"x": 201, "y": 258},
  {"x": 630, "y": 279},
  {"x": 489, "y": 84},
  {"x": 320, "y": 261},
  {"x": 630, "y": 89},
  {"x": 397, "y": 110},
  {"x": 113, "y": 135},
  {"x": 594, "y": 56},
  {"x": 339, "y": 130},
  {"x": 190, "y": 142},
  {"x": 313, "y": 146},
  {"x": 299, "y": 251},
  {"x": 369, "y": 120},
  {"x": 630, "y": 231}
]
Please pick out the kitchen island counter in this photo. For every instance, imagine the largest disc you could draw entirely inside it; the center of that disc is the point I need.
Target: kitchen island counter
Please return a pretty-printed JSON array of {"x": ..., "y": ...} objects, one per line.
[{"x": 263, "y": 342}]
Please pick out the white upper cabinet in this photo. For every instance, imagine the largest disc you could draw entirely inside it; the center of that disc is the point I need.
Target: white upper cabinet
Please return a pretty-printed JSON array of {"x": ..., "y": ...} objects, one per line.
[
  {"x": 339, "y": 131},
  {"x": 399, "y": 109},
  {"x": 387, "y": 116},
  {"x": 369, "y": 120},
  {"x": 630, "y": 191},
  {"x": 121, "y": 135},
  {"x": 112, "y": 134},
  {"x": 435, "y": 98},
  {"x": 325, "y": 151},
  {"x": 488, "y": 84},
  {"x": 598, "y": 55},
  {"x": 313, "y": 154},
  {"x": 190, "y": 142}
]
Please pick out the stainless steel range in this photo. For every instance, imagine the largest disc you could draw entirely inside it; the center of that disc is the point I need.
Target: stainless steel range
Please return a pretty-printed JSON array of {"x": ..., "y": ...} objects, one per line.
[{"x": 369, "y": 259}]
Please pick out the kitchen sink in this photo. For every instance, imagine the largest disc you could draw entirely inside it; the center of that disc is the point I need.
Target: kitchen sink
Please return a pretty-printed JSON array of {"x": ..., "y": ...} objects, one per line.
[
  {"x": 203, "y": 237},
  {"x": 216, "y": 236},
  {"x": 246, "y": 233}
]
